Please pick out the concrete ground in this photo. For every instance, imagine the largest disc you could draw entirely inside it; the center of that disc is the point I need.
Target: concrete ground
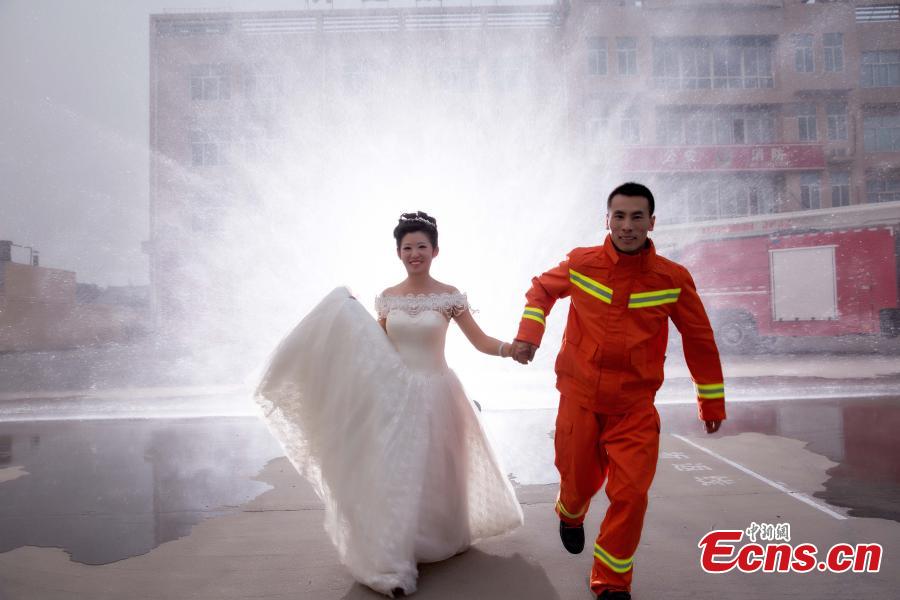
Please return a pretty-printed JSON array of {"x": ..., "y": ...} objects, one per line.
[{"x": 206, "y": 507}]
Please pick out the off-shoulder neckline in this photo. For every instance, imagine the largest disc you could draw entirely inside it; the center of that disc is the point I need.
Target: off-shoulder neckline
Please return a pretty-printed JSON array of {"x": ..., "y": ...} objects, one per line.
[{"x": 417, "y": 296}]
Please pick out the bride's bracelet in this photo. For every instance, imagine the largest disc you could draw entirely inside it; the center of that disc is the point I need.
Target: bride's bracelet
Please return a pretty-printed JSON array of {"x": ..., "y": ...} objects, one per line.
[{"x": 500, "y": 350}]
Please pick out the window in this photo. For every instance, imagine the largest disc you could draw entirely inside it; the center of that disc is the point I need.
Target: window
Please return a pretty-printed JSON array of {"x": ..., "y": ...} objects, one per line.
[
  {"x": 703, "y": 204},
  {"x": 754, "y": 61},
  {"x": 880, "y": 69},
  {"x": 882, "y": 190},
  {"x": 881, "y": 133},
  {"x": 707, "y": 127},
  {"x": 631, "y": 127},
  {"x": 806, "y": 121},
  {"x": 837, "y": 121},
  {"x": 669, "y": 128},
  {"x": 696, "y": 70},
  {"x": 834, "y": 52},
  {"x": 733, "y": 202},
  {"x": 803, "y": 52},
  {"x": 840, "y": 189},
  {"x": 707, "y": 197},
  {"x": 210, "y": 82},
  {"x": 597, "y": 55},
  {"x": 256, "y": 144},
  {"x": 702, "y": 63},
  {"x": 208, "y": 148},
  {"x": 753, "y": 202},
  {"x": 879, "y": 13},
  {"x": 626, "y": 48},
  {"x": 262, "y": 82},
  {"x": 759, "y": 126},
  {"x": 809, "y": 191},
  {"x": 699, "y": 130},
  {"x": 728, "y": 67},
  {"x": 597, "y": 121}
]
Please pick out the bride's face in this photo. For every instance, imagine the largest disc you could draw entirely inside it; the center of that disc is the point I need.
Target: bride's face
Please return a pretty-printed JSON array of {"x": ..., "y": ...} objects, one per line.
[{"x": 416, "y": 252}]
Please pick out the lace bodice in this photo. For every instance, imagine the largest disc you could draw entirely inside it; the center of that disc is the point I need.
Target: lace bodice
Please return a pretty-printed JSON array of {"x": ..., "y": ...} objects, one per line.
[
  {"x": 417, "y": 326},
  {"x": 448, "y": 304}
]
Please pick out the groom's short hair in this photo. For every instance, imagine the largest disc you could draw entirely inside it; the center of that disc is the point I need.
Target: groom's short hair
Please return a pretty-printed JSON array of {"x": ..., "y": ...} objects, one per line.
[{"x": 633, "y": 189}]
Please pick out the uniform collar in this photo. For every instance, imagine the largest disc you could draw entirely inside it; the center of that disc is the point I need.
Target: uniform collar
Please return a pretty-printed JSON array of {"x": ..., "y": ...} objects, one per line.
[{"x": 643, "y": 259}]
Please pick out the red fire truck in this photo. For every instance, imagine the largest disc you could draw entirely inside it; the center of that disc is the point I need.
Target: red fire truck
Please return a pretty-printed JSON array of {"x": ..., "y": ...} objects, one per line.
[{"x": 826, "y": 272}]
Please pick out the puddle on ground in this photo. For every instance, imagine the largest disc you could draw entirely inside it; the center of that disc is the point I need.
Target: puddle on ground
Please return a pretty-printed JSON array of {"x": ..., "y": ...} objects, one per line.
[
  {"x": 108, "y": 490},
  {"x": 12, "y": 473},
  {"x": 857, "y": 434}
]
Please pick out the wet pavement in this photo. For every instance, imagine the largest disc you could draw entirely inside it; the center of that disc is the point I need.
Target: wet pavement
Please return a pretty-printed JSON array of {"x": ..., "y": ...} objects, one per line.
[
  {"x": 105, "y": 490},
  {"x": 858, "y": 434}
]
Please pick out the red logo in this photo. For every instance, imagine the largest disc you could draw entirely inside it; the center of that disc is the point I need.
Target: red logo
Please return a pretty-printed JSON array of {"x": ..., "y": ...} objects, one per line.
[{"x": 720, "y": 553}]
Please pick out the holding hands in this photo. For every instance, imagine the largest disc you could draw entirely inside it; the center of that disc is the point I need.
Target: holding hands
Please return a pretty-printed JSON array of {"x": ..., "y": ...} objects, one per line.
[{"x": 523, "y": 352}]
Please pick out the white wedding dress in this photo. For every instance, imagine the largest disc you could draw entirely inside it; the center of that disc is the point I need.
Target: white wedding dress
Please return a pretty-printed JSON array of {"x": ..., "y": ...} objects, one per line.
[{"x": 385, "y": 433}]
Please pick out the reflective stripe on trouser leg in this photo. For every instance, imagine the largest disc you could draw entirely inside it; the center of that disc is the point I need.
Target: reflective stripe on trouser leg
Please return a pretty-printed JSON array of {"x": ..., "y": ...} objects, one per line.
[
  {"x": 568, "y": 515},
  {"x": 619, "y": 565},
  {"x": 631, "y": 442},
  {"x": 581, "y": 465}
]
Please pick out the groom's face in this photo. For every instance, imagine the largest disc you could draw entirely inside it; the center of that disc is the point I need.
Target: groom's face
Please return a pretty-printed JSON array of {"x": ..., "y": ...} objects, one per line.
[{"x": 629, "y": 221}]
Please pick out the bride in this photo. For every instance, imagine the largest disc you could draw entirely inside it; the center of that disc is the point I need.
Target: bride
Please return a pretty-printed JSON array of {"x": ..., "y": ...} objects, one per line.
[{"x": 381, "y": 426}]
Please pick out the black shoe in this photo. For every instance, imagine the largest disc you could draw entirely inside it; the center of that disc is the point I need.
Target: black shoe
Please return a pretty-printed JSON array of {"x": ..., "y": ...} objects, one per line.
[
  {"x": 614, "y": 595},
  {"x": 397, "y": 592},
  {"x": 572, "y": 537}
]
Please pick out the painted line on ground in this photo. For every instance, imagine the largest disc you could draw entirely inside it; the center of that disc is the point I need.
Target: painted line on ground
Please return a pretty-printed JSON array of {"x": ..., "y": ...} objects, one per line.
[{"x": 796, "y": 495}]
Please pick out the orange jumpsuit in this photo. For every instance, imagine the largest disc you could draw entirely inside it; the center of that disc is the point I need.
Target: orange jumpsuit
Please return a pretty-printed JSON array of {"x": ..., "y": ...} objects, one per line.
[{"x": 608, "y": 371}]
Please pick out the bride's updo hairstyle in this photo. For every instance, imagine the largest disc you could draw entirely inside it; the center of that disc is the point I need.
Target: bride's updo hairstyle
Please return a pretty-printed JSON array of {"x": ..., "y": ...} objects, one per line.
[{"x": 417, "y": 221}]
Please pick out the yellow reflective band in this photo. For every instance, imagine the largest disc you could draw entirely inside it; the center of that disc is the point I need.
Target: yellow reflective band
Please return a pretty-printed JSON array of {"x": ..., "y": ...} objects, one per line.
[
  {"x": 710, "y": 391},
  {"x": 710, "y": 387},
  {"x": 594, "y": 288},
  {"x": 616, "y": 564},
  {"x": 533, "y": 313},
  {"x": 654, "y": 298},
  {"x": 565, "y": 513}
]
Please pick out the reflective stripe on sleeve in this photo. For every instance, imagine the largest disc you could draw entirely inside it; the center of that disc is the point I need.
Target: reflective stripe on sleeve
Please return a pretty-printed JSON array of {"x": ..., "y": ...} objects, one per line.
[
  {"x": 534, "y": 313},
  {"x": 710, "y": 390}
]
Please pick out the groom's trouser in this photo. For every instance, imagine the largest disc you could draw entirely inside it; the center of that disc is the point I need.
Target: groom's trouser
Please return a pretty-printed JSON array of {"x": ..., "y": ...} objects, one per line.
[{"x": 622, "y": 449}]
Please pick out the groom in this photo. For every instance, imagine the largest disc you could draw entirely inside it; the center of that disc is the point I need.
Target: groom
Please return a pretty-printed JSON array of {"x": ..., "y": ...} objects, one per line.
[{"x": 608, "y": 370}]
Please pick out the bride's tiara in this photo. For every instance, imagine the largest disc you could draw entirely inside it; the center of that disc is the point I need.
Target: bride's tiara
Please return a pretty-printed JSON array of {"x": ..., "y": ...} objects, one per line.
[{"x": 415, "y": 219}]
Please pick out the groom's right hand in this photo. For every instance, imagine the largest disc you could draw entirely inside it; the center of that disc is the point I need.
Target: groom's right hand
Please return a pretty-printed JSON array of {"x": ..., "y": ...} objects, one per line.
[{"x": 523, "y": 352}]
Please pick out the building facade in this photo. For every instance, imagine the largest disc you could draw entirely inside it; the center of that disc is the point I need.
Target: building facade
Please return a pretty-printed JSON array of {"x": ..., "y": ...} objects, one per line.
[
  {"x": 741, "y": 108},
  {"x": 730, "y": 110},
  {"x": 40, "y": 309}
]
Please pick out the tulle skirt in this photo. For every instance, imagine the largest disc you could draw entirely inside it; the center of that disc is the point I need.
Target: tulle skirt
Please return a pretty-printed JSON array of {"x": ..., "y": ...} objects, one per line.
[{"x": 398, "y": 457}]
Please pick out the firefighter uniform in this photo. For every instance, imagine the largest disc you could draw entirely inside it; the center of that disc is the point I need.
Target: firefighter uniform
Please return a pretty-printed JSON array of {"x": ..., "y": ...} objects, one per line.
[{"x": 608, "y": 371}]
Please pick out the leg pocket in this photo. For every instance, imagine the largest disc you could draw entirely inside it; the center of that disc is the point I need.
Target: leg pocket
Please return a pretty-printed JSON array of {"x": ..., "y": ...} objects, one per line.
[{"x": 562, "y": 444}]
